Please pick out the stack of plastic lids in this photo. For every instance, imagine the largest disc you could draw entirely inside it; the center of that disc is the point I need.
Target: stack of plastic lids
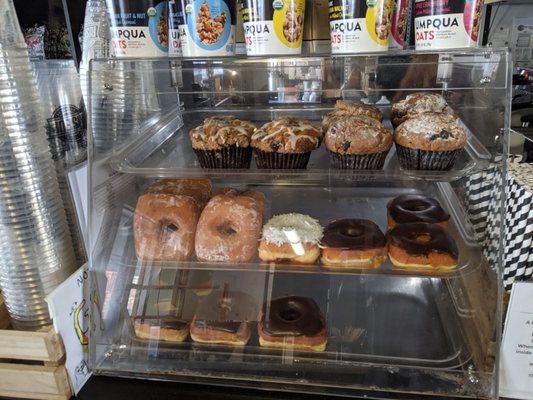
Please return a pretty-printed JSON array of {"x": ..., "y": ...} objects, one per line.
[
  {"x": 36, "y": 252},
  {"x": 66, "y": 128}
]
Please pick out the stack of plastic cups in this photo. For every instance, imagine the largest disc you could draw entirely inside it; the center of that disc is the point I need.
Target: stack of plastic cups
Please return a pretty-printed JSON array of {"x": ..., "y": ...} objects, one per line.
[
  {"x": 66, "y": 128},
  {"x": 123, "y": 96},
  {"x": 36, "y": 251},
  {"x": 96, "y": 36}
]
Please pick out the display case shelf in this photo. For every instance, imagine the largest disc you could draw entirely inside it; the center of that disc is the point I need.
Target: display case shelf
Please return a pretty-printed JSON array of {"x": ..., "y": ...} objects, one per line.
[{"x": 163, "y": 149}]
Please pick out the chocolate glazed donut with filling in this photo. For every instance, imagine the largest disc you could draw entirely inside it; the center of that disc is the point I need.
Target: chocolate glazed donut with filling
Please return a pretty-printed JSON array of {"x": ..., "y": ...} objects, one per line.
[
  {"x": 423, "y": 246},
  {"x": 353, "y": 243},
  {"x": 292, "y": 323},
  {"x": 224, "y": 318},
  {"x": 415, "y": 208}
]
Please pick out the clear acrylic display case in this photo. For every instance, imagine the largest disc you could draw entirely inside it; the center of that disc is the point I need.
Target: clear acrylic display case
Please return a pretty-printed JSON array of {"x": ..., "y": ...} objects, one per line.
[{"x": 390, "y": 332}]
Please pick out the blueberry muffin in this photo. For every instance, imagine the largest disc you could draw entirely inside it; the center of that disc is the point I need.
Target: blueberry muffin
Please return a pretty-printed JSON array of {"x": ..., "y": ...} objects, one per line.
[
  {"x": 345, "y": 109},
  {"x": 223, "y": 142},
  {"x": 416, "y": 104},
  {"x": 353, "y": 143},
  {"x": 429, "y": 141},
  {"x": 285, "y": 143}
]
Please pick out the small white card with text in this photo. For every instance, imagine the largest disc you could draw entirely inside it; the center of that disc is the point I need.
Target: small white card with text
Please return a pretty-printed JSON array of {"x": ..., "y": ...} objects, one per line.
[{"x": 516, "y": 356}]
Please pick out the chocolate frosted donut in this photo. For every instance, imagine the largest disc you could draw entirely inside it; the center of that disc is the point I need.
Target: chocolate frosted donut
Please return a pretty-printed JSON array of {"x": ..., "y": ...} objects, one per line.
[
  {"x": 164, "y": 328},
  {"x": 415, "y": 208},
  {"x": 422, "y": 245},
  {"x": 292, "y": 322},
  {"x": 351, "y": 243}
]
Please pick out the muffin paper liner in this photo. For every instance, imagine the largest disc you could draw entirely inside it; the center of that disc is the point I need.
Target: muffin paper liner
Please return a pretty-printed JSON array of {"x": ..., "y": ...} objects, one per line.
[
  {"x": 426, "y": 160},
  {"x": 273, "y": 160},
  {"x": 230, "y": 157},
  {"x": 357, "y": 161}
]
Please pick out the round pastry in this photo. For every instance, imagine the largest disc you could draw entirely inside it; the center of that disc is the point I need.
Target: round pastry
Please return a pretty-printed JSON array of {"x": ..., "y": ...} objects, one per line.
[
  {"x": 164, "y": 226},
  {"x": 415, "y": 208},
  {"x": 292, "y": 323},
  {"x": 353, "y": 243},
  {"x": 223, "y": 142},
  {"x": 416, "y": 104},
  {"x": 285, "y": 143},
  {"x": 198, "y": 189},
  {"x": 291, "y": 238},
  {"x": 165, "y": 329},
  {"x": 200, "y": 282},
  {"x": 224, "y": 318},
  {"x": 229, "y": 227},
  {"x": 429, "y": 141},
  {"x": 422, "y": 246},
  {"x": 354, "y": 144},
  {"x": 345, "y": 109}
]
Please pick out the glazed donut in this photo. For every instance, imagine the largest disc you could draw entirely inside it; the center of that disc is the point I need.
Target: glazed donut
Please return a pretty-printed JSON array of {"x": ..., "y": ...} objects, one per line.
[
  {"x": 415, "y": 208},
  {"x": 292, "y": 323},
  {"x": 224, "y": 318},
  {"x": 291, "y": 238},
  {"x": 165, "y": 329},
  {"x": 164, "y": 226},
  {"x": 353, "y": 243},
  {"x": 198, "y": 189},
  {"x": 422, "y": 246},
  {"x": 229, "y": 227}
]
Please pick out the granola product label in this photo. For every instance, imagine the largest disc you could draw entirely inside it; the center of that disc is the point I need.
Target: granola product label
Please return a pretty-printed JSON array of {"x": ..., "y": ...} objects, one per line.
[
  {"x": 360, "y": 26},
  {"x": 174, "y": 43},
  {"x": 139, "y": 28},
  {"x": 206, "y": 27},
  {"x": 400, "y": 20},
  {"x": 445, "y": 24},
  {"x": 273, "y": 26}
]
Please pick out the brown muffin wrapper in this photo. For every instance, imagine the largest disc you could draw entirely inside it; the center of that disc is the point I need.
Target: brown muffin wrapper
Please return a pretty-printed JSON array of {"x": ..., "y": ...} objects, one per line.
[
  {"x": 273, "y": 160},
  {"x": 357, "y": 161},
  {"x": 414, "y": 159},
  {"x": 230, "y": 157}
]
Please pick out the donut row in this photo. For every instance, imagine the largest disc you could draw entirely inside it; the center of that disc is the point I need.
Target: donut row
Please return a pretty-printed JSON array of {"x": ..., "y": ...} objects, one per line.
[
  {"x": 224, "y": 318},
  {"x": 427, "y": 137},
  {"x": 175, "y": 219}
]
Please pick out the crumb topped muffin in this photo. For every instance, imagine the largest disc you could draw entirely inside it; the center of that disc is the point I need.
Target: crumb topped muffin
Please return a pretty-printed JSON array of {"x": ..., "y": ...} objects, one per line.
[
  {"x": 354, "y": 143},
  {"x": 223, "y": 142},
  {"x": 416, "y": 104},
  {"x": 345, "y": 109},
  {"x": 285, "y": 143},
  {"x": 429, "y": 141}
]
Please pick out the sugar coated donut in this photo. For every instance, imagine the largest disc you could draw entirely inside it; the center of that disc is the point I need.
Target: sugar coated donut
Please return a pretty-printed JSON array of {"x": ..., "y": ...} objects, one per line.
[
  {"x": 164, "y": 226},
  {"x": 229, "y": 227}
]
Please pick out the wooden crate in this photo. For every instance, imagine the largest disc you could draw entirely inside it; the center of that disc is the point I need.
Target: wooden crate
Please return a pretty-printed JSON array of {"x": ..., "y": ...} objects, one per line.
[{"x": 32, "y": 363}]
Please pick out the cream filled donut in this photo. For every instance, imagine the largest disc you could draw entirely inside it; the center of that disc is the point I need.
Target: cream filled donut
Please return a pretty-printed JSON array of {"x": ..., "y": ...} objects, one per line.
[{"x": 291, "y": 238}]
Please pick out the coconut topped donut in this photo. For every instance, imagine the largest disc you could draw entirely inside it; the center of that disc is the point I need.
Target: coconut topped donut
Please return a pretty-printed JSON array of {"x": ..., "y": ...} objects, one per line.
[
  {"x": 287, "y": 135},
  {"x": 431, "y": 132},
  {"x": 219, "y": 132},
  {"x": 418, "y": 103},
  {"x": 292, "y": 228},
  {"x": 351, "y": 135}
]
